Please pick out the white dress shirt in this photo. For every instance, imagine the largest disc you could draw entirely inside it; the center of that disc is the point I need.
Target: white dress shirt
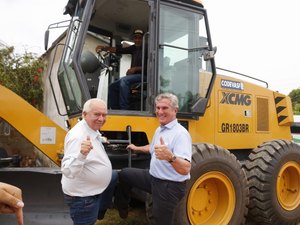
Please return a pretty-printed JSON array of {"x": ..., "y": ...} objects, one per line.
[
  {"x": 84, "y": 175},
  {"x": 179, "y": 141}
]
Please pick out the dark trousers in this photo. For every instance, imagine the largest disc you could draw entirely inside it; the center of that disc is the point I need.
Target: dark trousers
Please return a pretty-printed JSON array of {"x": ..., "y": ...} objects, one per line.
[
  {"x": 165, "y": 194},
  {"x": 119, "y": 91}
]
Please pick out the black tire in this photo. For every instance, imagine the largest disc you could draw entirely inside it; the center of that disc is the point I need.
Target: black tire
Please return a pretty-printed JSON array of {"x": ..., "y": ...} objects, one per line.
[
  {"x": 217, "y": 192},
  {"x": 273, "y": 171}
]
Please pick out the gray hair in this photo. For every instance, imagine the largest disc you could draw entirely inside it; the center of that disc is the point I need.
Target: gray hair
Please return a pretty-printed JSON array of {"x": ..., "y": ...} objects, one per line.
[
  {"x": 89, "y": 103},
  {"x": 173, "y": 99}
]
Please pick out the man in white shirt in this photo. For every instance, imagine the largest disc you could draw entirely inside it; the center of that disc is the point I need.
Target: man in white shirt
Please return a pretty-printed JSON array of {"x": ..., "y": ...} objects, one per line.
[{"x": 87, "y": 177}]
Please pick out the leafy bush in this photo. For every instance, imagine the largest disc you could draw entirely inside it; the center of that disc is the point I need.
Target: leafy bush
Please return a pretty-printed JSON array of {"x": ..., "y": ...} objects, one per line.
[
  {"x": 297, "y": 109},
  {"x": 295, "y": 97},
  {"x": 23, "y": 75}
]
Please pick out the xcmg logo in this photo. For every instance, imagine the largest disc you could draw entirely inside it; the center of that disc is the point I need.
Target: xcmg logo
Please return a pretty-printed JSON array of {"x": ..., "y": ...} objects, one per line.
[{"x": 235, "y": 99}]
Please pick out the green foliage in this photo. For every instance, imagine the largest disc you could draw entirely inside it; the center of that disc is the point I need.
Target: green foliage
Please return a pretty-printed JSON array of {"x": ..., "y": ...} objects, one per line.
[
  {"x": 295, "y": 97},
  {"x": 297, "y": 109},
  {"x": 23, "y": 75}
]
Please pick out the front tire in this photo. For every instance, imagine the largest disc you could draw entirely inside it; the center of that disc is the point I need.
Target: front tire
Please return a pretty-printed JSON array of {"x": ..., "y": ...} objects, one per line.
[
  {"x": 217, "y": 193},
  {"x": 273, "y": 171}
]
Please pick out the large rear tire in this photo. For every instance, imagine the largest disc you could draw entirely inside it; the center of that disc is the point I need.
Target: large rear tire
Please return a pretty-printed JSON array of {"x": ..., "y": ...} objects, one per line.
[
  {"x": 217, "y": 193},
  {"x": 273, "y": 171}
]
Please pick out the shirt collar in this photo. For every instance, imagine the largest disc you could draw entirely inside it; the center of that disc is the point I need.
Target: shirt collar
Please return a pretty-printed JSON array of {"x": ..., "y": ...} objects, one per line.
[
  {"x": 169, "y": 125},
  {"x": 94, "y": 134}
]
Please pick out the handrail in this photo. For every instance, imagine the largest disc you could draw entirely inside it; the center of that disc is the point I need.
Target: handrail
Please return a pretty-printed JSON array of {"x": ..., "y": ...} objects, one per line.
[
  {"x": 142, "y": 74},
  {"x": 244, "y": 75}
]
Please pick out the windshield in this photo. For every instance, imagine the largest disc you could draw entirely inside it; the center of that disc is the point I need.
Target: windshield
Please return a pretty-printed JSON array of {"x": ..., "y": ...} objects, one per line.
[
  {"x": 68, "y": 80},
  {"x": 182, "y": 44}
]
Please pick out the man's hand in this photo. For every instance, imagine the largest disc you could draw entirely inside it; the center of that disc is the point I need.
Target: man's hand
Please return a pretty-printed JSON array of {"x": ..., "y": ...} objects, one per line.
[
  {"x": 11, "y": 201},
  {"x": 99, "y": 48},
  {"x": 130, "y": 71},
  {"x": 162, "y": 151},
  {"x": 134, "y": 70},
  {"x": 134, "y": 148},
  {"x": 86, "y": 146}
]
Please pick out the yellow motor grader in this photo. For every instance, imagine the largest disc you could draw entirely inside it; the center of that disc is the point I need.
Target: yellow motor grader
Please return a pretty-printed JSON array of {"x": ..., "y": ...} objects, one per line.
[{"x": 245, "y": 166}]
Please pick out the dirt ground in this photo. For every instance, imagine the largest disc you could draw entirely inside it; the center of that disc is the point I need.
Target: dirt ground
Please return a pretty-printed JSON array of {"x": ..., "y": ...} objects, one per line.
[{"x": 136, "y": 216}]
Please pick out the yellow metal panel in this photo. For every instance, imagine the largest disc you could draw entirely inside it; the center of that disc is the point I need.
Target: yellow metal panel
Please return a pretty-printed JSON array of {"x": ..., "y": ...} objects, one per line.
[
  {"x": 239, "y": 115},
  {"x": 119, "y": 123},
  {"x": 241, "y": 120},
  {"x": 137, "y": 123},
  {"x": 29, "y": 122},
  {"x": 283, "y": 109}
]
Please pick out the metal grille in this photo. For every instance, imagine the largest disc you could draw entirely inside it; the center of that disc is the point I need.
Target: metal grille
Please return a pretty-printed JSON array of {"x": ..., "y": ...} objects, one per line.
[{"x": 262, "y": 114}]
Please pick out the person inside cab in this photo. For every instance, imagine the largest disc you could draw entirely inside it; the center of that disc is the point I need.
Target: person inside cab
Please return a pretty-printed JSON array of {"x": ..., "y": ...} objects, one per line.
[{"x": 119, "y": 90}]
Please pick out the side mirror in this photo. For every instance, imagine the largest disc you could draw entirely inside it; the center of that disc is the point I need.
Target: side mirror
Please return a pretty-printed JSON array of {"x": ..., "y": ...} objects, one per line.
[
  {"x": 46, "y": 39},
  {"x": 53, "y": 26}
]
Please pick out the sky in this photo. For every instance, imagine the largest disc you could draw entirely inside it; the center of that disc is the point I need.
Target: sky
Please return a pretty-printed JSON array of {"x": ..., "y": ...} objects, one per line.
[
  {"x": 259, "y": 38},
  {"x": 23, "y": 23}
]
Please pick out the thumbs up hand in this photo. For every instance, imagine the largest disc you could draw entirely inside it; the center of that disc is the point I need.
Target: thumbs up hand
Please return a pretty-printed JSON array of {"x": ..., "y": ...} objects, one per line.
[
  {"x": 86, "y": 146},
  {"x": 161, "y": 151},
  {"x": 162, "y": 142}
]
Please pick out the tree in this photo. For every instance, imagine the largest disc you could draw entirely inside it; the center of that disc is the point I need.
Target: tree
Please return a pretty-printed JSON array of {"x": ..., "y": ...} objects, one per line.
[
  {"x": 295, "y": 97},
  {"x": 22, "y": 74},
  {"x": 297, "y": 109}
]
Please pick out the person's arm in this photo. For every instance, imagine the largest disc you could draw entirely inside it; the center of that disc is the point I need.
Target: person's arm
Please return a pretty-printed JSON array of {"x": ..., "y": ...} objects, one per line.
[
  {"x": 143, "y": 149},
  {"x": 75, "y": 154},
  {"x": 134, "y": 70},
  {"x": 100, "y": 48},
  {"x": 162, "y": 152},
  {"x": 11, "y": 201},
  {"x": 182, "y": 166}
]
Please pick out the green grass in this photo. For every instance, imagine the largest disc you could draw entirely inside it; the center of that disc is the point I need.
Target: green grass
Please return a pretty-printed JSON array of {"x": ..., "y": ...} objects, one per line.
[{"x": 136, "y": 216}]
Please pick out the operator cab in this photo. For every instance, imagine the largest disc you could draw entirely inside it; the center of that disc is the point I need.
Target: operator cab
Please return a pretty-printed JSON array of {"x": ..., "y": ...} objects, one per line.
[
  {"x": 110, "y": 67},
  {"x": 177, "y": 53}
]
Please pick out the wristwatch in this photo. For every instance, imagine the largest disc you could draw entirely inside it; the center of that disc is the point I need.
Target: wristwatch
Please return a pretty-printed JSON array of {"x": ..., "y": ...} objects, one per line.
[{"x": 172, "y": 159}]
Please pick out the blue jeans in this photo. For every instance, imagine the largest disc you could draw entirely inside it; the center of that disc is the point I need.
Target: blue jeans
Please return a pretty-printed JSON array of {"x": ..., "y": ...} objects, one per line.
[
  {"x": 119, "y": 91},
  {"x": 84, "y": 210}
]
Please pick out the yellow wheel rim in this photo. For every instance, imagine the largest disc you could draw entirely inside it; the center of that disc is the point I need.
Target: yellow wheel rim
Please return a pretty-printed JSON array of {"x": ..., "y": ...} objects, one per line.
[
  {"x": 211, "y": 200},
  {"x": 288, "y": 183}
]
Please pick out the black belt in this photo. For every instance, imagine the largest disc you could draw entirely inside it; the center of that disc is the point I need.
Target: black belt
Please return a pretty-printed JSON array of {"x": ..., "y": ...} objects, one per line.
[
  {"x": 172, "y": 181},
  {"x": 76, "y": 197}
]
